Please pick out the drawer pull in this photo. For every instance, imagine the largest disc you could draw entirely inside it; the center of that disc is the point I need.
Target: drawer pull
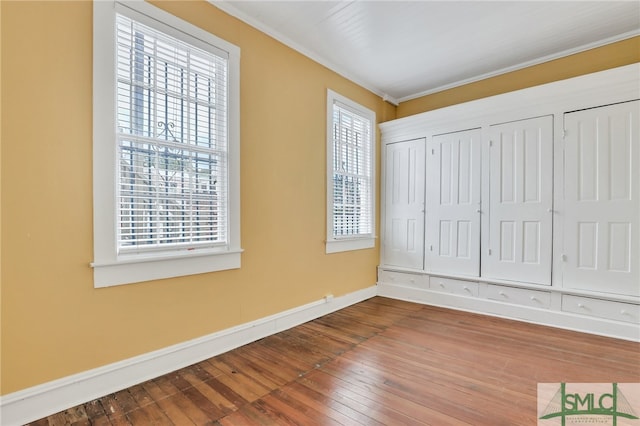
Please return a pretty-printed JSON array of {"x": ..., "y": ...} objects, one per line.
[
  {"x": 580, "y": 305},
  {"x": 502, "y": 293},
  {"x": 412, "y": 281},
  {"x": 624, "y": 312},
  {"x": 441, "y": 284},
  {"x": 534, "y": 299},
  {"x": 466, "y": 289}
]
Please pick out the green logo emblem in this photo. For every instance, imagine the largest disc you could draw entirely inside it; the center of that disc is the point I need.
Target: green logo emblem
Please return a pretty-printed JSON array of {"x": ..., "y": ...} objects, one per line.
[{"x": 584, "y": 401}]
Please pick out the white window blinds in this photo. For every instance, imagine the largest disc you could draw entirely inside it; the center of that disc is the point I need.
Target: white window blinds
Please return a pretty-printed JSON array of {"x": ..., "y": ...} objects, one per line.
[
  {"x": 171, "y": 118},
  {"x": 352, "y": 173}
]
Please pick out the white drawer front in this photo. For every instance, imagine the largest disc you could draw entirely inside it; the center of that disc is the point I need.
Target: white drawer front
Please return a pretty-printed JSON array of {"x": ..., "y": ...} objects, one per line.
[
  {"x": 519, "y": 296},
  {"x": 446, "y": 285},
  {"x": 403, "y": 278},
  {"x": 618, "y": 311}
]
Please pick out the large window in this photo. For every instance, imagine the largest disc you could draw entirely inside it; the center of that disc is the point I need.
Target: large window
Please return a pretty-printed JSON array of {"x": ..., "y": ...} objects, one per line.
[
  {"x": 165, "y": 147},
  {"x": 350, "y": 186}
]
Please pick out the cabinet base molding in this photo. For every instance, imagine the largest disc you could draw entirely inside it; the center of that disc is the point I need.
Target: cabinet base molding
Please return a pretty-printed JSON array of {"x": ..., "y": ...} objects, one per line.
[{"x": 553, "y": 314}]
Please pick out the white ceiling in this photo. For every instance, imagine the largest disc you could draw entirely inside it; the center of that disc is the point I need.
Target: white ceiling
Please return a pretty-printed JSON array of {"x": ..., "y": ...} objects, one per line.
[{"x": 405, "y": 49}]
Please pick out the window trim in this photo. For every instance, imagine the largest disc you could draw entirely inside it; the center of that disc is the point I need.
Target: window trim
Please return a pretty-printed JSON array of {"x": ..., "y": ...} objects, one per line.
[
  {"x": 109, "y": 267},
  {"x": 359, "y": 242}
]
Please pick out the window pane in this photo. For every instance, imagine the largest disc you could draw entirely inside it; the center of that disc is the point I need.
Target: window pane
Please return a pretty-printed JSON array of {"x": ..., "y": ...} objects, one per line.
[
  {"x": 171, "y": 122},
  {"x": 352, "y": 214}
]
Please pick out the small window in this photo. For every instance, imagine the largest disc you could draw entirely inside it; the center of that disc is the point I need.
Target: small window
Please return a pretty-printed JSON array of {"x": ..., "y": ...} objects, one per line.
[
  {"x": 350, "y": 172},
  {"x": 165, "y": 147}
]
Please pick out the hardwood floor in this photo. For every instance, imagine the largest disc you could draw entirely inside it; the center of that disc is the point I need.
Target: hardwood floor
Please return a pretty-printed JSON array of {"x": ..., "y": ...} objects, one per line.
[{"x": 380, "y": 362}]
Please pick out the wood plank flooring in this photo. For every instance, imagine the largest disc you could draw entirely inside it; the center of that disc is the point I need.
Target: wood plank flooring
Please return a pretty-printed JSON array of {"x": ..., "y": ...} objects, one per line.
[{"x": 379, "y": 362}]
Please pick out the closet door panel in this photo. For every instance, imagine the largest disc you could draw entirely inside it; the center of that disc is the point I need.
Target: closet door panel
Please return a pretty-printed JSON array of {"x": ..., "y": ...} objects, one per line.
[
  {"x": 403, "y": 241},
  {"x": 521, "y": 194},
  {"x": 453, "y": 203},
  {"x": 602, "y": 199}
]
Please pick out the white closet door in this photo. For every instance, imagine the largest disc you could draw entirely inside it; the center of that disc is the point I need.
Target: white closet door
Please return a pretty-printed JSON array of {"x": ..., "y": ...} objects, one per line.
[
  {"x": 601, "y": 194},
  {"x": 520, "y": 216},
  {"x": 403, "y": 241},
  {"x": 453, "y": 203}
]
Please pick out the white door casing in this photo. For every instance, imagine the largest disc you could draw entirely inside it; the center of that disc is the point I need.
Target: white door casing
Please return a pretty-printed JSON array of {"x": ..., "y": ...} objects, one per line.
[
  {"x": 602, "y": 199},
  {"x": 521, "y": 198},
  {"x": 403, "y": 240},
  {"x": 453, "y": 203}
]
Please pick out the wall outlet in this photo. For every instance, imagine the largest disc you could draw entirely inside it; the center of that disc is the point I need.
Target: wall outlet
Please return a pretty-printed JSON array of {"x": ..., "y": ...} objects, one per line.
[{"x": 328, "y": 298}]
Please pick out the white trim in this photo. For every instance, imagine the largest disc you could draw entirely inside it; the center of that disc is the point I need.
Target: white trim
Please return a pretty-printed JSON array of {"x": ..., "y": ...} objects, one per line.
[
  {"x": 363, "y": 241},
  {"x": 547, "y": 317},
  {"x": 604, "y": 87},
  {"x": 43, "y": 400},
  {"x": 48, "y": 398},
  {"x": 173, "y": 26},
  {"x": 228, "y": 7},
  {"x": 255, "y": 23},
  {"x": 152, "y": 268},
  {"x": 337, "y": 246},
  {"x": 109, "y": 267},
  {"x": 523, "y": 65},
  {"x": 516, "y": 284}
]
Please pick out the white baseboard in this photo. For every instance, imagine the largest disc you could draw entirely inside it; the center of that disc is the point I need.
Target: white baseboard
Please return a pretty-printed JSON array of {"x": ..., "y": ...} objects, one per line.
[
  {"x": 548, "y": 317},
  {"x": 43, "y": 400}
]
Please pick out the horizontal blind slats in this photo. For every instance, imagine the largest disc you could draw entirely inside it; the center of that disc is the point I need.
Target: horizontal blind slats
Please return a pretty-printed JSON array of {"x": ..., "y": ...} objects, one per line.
[
  {"x": 172, "y": 143},
  {"x": 352, "y": 214}
]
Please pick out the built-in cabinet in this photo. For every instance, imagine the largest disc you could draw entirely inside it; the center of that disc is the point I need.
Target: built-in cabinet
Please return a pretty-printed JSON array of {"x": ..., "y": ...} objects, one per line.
[
  {"x": 525, "y": 205},
  {"x": 453, "y": 203},
  {"x": 404, "y": 189},
  {"x": 600, "y": 195},
  {"x": 520, "y": 201}
]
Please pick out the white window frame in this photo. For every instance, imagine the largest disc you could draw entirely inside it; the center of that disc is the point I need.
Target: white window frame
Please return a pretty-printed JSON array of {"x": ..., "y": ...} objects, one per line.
[
  {"x": 113, "y": 268},
  {"x": 335, "y": 244}
]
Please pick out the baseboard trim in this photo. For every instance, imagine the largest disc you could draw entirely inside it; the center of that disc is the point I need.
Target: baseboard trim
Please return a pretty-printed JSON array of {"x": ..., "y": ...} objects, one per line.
[
  {"x": 547, "y": 317},
  {"x": 43, "y": 400}
]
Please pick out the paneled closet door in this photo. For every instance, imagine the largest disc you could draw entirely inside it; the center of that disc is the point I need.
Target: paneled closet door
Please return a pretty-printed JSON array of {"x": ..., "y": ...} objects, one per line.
[
  {"x": 602, "y": 199},
  {"x": 403, "y": 239},
  {"x": 520, "y": 192},
  {"x": 453, "y": 203}
]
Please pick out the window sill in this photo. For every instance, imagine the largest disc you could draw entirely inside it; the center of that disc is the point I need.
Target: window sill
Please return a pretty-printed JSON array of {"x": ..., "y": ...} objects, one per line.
[
  {"x": 134, "y": 270},
  {"x": 337, "y": 246}
]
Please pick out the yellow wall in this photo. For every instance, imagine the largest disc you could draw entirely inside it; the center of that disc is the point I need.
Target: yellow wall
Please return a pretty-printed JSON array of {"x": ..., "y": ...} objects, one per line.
[
  {"x": 610, "y": 56},
  {"x": 54, "y": 323}
]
